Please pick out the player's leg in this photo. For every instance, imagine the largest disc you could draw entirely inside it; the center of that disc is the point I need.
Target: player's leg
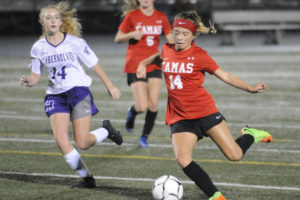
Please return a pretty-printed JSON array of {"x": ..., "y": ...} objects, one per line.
[
  {"x": 235, "y": 149},
  {"x": 183, "y": 146},
  {"x": 81, "y": 118},
  {"x": 222, "y": 136},
  {"x": 154, "y": 87},
  {"x": 60, "y": 125},
  {"x": 60, "y": 128},
  {"x": 139, "y": 92}
]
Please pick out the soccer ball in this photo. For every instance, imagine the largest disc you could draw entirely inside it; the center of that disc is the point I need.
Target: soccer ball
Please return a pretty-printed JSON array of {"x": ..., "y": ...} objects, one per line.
[{"x": 167, "y": 187}]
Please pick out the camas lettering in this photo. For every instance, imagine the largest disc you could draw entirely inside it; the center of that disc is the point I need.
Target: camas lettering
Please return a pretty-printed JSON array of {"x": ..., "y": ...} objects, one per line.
[
  {"x": 178, "y": 67},
  {"x": 150, "y": 30}
]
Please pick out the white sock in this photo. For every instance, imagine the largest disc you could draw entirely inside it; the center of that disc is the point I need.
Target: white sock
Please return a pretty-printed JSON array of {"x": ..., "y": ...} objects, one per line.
[
  {"x": 76, "y": 163},
  {"x": 100, "y": 134}
]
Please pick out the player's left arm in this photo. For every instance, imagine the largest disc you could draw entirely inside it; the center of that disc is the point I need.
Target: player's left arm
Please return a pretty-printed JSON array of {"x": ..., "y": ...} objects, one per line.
[
  {"x": 169, "y": 38},
  {"x": 113, "y": 91},
  {"x": 235, "y": 81}
]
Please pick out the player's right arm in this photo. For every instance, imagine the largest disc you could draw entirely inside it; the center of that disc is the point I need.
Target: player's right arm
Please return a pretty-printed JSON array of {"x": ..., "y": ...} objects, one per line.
[
  {"x": 31, "y": 80},
  {"x": 142, "y": 71},
  {"x": 123, "y": 37}
]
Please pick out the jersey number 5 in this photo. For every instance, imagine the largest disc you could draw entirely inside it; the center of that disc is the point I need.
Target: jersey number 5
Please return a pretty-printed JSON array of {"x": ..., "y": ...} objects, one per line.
[
  {"x": 150, "y": 40},
  {"x": 176, "y": 82},
  {"x": 62, "y": 73}
]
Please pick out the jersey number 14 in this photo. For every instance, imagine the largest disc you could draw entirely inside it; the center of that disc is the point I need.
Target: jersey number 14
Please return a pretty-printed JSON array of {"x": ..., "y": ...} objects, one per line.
[
  {"x": 176, "y": 82},
  {"x": 61, "y": 73}
]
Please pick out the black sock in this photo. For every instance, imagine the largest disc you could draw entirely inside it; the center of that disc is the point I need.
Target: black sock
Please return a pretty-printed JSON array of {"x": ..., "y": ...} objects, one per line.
[
  {"x": 245, "y": 141},
  {"x": 149, "y": 123},
  {"x": 201, "y": 179},
  {"x": 133, "y": 111}
]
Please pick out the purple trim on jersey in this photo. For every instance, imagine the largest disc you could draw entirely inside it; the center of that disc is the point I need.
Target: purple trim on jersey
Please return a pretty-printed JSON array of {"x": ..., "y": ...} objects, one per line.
[
  {"x": 66, "y": 101},
  {"x": 65, "y": 35}
]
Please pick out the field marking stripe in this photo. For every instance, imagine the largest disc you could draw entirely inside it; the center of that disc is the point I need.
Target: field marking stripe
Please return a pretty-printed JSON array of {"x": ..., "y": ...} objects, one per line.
[
  {"x": 239, "y": 185},
  {"x": 16, "y": 139},
  {"x": 211, "y": 147},
  {"x": 158, "y": 122},
  {"x": 154, "y": 158}
]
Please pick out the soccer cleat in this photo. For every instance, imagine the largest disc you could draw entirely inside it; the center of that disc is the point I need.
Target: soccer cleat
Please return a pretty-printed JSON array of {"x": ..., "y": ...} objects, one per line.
[
  {"x": 259, "y": 135},
  {"x": 87, "y": 182},
  {"x": 129, "y": 121},
  {"x": 113, "y": 134},
  {"x": 143, "y": 142},
  {"x": 217, "y": 196}
]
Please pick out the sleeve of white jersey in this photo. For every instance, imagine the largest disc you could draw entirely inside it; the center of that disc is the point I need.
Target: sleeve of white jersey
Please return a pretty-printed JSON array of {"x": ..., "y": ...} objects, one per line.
[
  {"x": 86, "y": 54},
  {"x": 35, "y": 65}
]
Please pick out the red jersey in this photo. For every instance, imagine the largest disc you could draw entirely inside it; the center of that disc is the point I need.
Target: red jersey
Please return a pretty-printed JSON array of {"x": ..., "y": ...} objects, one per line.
[
  {"x": 184, "y": 74},
  {"x": 152, "y": 27}
]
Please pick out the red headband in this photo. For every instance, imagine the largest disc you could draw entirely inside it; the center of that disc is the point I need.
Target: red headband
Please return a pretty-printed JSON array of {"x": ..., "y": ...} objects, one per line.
[{"x": 185, "y": 24}]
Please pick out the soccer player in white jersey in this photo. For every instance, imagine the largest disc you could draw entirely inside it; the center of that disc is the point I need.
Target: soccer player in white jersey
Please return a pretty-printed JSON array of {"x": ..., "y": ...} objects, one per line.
[{"x": 59, "y": 51}]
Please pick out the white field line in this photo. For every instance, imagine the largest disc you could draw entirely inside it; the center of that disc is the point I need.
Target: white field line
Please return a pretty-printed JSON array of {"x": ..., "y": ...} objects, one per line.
[
  {"x": 130, "y": 179},
  {"x": 208, "y": 147},
  {"x": 159, "y": 122},
  {"x": 162, "y": 102}
]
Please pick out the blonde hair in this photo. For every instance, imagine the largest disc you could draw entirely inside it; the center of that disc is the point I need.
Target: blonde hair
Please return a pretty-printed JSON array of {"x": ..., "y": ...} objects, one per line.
[
  {"x": 196, "y": 19},
  {"x": 70, "y": 22},
  {"x": 129, "y": 6}
]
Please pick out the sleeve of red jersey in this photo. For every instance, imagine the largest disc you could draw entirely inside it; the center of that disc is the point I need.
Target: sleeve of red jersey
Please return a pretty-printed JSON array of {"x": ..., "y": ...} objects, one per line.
[
  {"x": 207, "y": 63},
  {"x": 166, "y": 25},
  {"x": 163, "y": 50},
  {"x": 125, "y": 25}
]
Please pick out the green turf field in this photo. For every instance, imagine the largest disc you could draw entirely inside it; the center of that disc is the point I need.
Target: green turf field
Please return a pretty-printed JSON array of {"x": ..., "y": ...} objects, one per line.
[{"x": 31, "y": 166}]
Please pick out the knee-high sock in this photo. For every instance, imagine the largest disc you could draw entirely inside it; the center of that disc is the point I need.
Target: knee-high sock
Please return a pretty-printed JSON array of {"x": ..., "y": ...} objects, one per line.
[
  {"x": 100, "y": 134},
  {"x": 201, "y": 178},
  {"x": 77, "y": 164},
  {"x": 245, "y": 141},
  {"x": 149, "y": 123}
]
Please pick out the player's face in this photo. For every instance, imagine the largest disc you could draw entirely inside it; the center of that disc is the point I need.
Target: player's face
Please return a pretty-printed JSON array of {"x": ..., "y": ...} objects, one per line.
[
  {"x": 183, "y": 38},
  {"x": 146, "y": 3},
  {"x": 51, "y": 21}
]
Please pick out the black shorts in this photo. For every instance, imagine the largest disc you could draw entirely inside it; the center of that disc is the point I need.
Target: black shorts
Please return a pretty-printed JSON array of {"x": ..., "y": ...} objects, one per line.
[
  {"x": 131, "y": 77},
  {"x": 197, "y": 126}
]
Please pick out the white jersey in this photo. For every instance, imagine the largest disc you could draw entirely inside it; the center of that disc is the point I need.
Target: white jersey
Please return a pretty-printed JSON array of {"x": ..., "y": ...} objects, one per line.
[{"x": 63, "y": 62}]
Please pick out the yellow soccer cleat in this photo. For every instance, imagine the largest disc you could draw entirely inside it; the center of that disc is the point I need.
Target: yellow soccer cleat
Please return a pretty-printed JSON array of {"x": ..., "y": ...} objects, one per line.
[
  {"x": 259, "y": 135},
  {"x": 217, "y": 196}
]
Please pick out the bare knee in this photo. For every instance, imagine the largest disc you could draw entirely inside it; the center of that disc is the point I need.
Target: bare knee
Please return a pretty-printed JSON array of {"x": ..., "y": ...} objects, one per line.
[
  {"x": 83, "y": 145},
  {"x": 183, "y": 161},
  {"x": 141, "y": 107},
  {"x": 234, "y": 156},
  {"x": 153, "y": 105}
]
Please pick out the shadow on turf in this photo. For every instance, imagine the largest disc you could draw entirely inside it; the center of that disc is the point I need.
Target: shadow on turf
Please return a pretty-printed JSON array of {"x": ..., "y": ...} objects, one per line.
[{"x": 135, "y": 193}]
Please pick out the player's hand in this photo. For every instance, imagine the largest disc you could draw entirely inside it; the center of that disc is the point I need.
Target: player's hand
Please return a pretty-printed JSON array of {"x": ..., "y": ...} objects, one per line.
[
  {"x": 141, "y": 71},
  {"x": 259, "y": 88},
  {"x": 114, "y": 92},
  {"x": 24, "y": 81},
  {"x": 137, "y": 35}
]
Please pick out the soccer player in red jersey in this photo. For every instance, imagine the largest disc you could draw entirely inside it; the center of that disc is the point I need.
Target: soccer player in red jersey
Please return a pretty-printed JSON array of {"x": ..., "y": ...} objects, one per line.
[
  {"x": 142, "y": 27},
  {"x": 191, "y": 110}
]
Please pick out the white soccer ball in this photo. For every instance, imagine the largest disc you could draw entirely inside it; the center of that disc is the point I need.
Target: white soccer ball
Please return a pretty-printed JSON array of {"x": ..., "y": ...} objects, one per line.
[{"x": 167, "y": 187}]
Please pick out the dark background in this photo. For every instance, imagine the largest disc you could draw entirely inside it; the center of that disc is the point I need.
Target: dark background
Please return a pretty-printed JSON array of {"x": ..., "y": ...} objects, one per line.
[{"x": 20, "y": 17}]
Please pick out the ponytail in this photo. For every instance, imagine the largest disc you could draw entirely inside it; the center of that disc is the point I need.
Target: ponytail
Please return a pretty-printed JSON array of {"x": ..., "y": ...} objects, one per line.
[
  {"x": 129, "y": 5},
  {"x": 196, "y": 19},
  {"x": 70, "y": 22}
]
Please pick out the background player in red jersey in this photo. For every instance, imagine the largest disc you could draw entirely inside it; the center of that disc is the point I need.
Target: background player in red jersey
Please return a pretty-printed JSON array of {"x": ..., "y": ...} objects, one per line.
[
  {"x": 191, "y": 111},
  {"x": 142, "y": 27}
]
